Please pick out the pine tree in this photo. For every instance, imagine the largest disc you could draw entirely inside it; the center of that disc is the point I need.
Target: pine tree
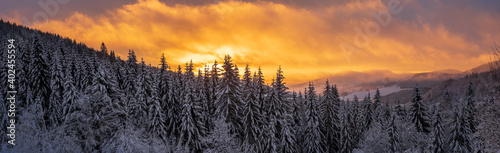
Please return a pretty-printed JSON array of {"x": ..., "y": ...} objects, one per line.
[
  {"x": 40, "y": 82},
  {"x": 368, "y": 113},
  {"x": 261, "y": 91},
  {"x": 313, "y": 135},
  {"x": 400, "y": 111},
  {"x": 394, "y": 136},
  {"x": 251, "y": 115},
  {"x": 142, "y": 95},
  {"x": 288, "y": 139},
  {"x": 346, "y": 137},
  {"x": 106, "y": 115},
  {"x": 229, "y": 96},
  {"x": 459, "y": 140},
  {"x": 418, "y": 112},
  {"x": 377, "y": 100},
  {"x": 104, "y": 50},
  {"x": 438, "y": 141},
  {"x": 470, "y": 109},
  {"x": 156, "y": 118},
  {"x": 331, "y": 121},
  {"x": 208, "y": 105},
  {"x": 190, "y": 135},
  {"x": 298, "y": 121},
  {"x": 57, "y": 91},
  {"x": 70, "y": 96}
]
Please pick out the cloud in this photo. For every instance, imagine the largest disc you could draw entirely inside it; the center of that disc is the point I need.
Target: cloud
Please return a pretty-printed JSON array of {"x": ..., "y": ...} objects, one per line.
[{"x": 304, "y": 39}]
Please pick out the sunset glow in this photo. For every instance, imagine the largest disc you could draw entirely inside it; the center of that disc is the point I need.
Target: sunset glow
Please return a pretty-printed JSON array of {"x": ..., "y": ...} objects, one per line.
[{"x": 304, "y": 40}]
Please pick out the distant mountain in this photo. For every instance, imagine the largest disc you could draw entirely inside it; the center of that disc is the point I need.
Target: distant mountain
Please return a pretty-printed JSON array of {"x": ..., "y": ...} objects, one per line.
[
  {"x": 478, "y": 69},
  {"x": 352, "y": 83}
]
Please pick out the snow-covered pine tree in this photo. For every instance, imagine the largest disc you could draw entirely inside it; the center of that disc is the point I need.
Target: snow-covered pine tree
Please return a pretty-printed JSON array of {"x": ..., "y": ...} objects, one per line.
[
  {"x": 346, "y": 137},
  {"x": 331, "y": 121},
  {"x": 288, "y": 139},
  {"x": 458, "y": 139},
  {"x": 156, "y": 118},
  {"x": 357, "y": 118},
  {"x": 142, "y": 95},
  {"x": 438, "y": 142},
  {"x": 70, "y": 96},
  {"x": 40, "y": 78},
  {"x": 130, "y": 77},
  {"x": 377, "y": 100},
  {"x": 208, "y": 104},
  {"x": 261, "y": 91},
  {"x": 313, "y": 135},
  {"x": 470, "y": 110},
  {"x": 190, "y": 135},
  {"x": 418, "y": 112},
  {"x": 251, "y": 115},
  {"x": 106, "y": 115},
  {"x": 22, "y": 72},
  {"x": 400, "y": 111},
  {"x": 214, "y": 85},
  {"x": 176, "y": 103},
  {"x": 368, "y": 112},
  {"x": 298, "y": 121},
  {"x": 393, "y": 133},
  {"x": 57, "y": 91},
  {"x": 229, "y": 101},
  {"x": 447, "y": 101}
]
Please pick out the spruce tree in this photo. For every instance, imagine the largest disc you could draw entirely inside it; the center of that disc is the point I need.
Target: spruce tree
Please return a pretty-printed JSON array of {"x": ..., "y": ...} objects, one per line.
[
  {"x": 57, "y": 92},
  {"x": 251, "y": 115},
  {"x": 331, "y": 121},
  {"x": 418, "y": 112},
  {"x": 346, "y": 137},
  {"x": 40, "y": 82},
  {"x": 368, "y": 113},
  {"x": 142, "y": 95},
  {"x": 156, "y": 118},
  {"x": 229, "y": 100},
  {"x": 459, "y": 140},
  {"x": 313, "y": 135},
  {"x": 394, "y": 136},
  {"x": 438, "y": 140},
  {"x": 190, "y": 135},
  {"x": 470, "y": 110}
]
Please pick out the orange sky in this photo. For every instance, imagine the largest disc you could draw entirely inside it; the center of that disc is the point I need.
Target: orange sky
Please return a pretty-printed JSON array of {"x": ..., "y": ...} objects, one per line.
[{"x": 305, "y": 41}]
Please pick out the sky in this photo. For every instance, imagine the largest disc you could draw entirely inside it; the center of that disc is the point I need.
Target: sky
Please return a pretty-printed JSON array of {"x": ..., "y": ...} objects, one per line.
[{"x": 310, "y": 39}]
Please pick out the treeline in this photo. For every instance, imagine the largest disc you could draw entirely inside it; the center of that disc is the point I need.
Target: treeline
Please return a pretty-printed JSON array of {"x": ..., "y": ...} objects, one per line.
[{"x": 72, "y": 98}]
